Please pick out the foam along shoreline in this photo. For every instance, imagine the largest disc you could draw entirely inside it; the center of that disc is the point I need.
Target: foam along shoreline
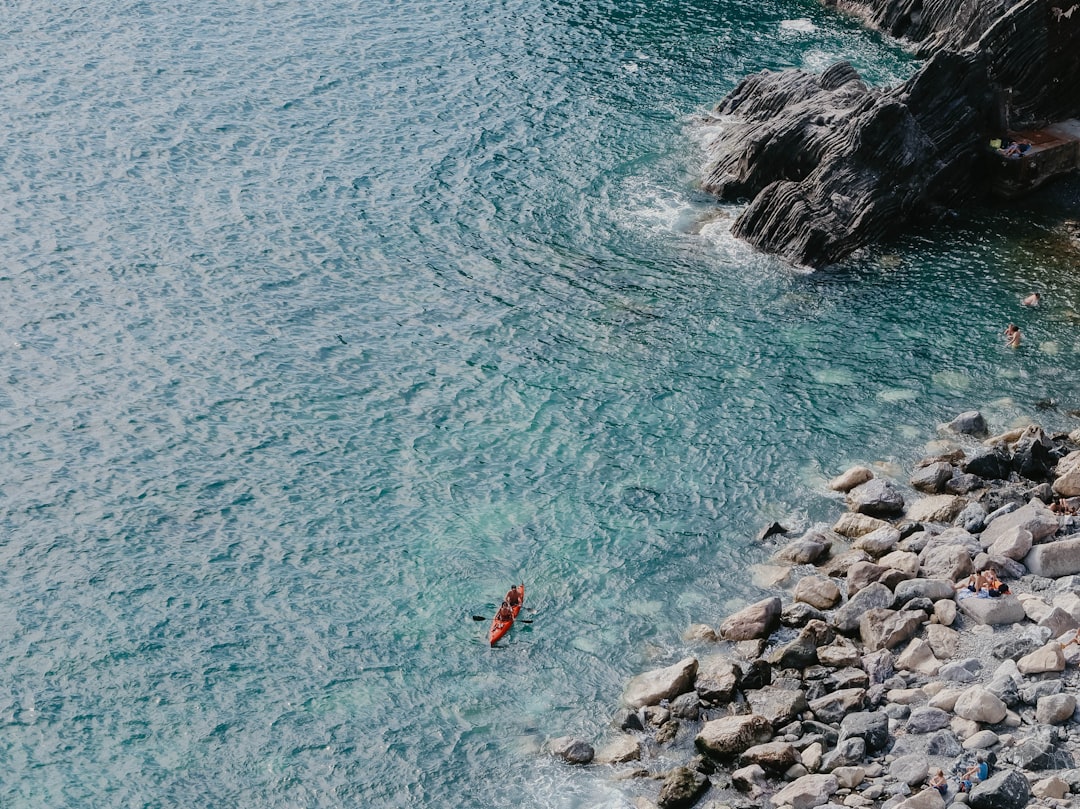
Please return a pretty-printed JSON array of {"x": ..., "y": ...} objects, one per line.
[{"x": 873, "y": 670}]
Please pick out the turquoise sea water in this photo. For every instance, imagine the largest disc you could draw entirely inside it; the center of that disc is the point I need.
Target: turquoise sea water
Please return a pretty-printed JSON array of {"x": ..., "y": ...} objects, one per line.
[{"x": 321, "y": 326}]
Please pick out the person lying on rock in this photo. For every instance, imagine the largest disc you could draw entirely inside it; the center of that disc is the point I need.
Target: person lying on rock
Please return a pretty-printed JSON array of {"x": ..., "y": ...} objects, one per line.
[{"x": 995, "y": 586}]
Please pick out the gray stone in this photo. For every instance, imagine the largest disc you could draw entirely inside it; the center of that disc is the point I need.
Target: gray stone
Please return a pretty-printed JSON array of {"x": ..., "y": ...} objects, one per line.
[
  {"x": 817, "y": 591},
  {"x": 910, "y": 769},
  {"x": 801, "y": 552},
  {"x": 731, "y": 735},
  {"x": 717, "y": 679},
  {"x": 879, "y": 666},
  {"x": 1054, "y": 559},
  {"x": 943, "y": 743},
  {"x": 887, "y": 629},
  {"x": 1007, "y": 789},
  {"x": 1055, "y": 709},
  {"x": 932, "y": 478},
  {"x": 876, "y": 498},
  {"x": 938, "y": 508},
  {"x": 862, "y": 574},
  {"x": 870, "y": 726},
  {"x": 807, "y": 792},
  {"x": 878, "y": 543},
  {"x": 973, "y": 517},
  {"x": 934, "y": 589},
  {"x": 755, "y": 621},
  {"x": 993, "y": 611},
  {"x": 778, "y": 705},
  {"x": 681, "y": 788},
  {"x": 1067, "y": 483},
  {"x": 833, "y": 707},
  {"x": 667, "y": 683},
  {"x": 848, "y": 753},
  {"x": 961, "y": 671},
  {"x": 1042, "y": 750},
  {"x": 970, "y": 422},
  {"x": 1035, "y": 518},
  {"x": 927, "y": 720},
  {"x": 798, "y": 614},
  {"x": 775, "y": 757},
  {"x": 571, "y": 750},
  {"x": 846, "y": 618},
  {"x": 980, "y": 705}
]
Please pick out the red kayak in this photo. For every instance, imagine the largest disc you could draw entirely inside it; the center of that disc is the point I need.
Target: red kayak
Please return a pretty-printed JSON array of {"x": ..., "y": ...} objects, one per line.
[{"x": 504, "y": 619}]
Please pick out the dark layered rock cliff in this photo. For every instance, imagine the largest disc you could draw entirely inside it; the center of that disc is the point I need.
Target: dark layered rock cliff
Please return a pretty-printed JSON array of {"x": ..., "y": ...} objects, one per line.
[{"x": 831, "y": 165}]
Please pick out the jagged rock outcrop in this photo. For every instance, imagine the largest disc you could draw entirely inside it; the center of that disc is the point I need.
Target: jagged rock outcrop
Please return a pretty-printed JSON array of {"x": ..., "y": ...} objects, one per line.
[{"x": 831, "y": 165}]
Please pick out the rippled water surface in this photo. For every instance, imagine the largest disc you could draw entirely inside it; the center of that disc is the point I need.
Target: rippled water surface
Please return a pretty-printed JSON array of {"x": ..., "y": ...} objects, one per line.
[{"x": 324, "y": 323}]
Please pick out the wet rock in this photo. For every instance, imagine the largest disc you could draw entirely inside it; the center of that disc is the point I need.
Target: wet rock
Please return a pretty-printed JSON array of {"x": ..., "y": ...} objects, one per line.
[
  {"x": 818, "y": 591},
  {"x": 731, "y": 735},
  {"x": 988, "y": 463},
  {"x": 619, "y": 751},
  {"x": 755, "y": 621},
  {"x": 801, "y": 552},
  {"x": 717, "y": 679},
  {"x": 682, "y": 788},
  {"x": 667, "y": 683},
  {"x": 932, "y": 478},
  {"x": 799, "y": 614},
  {"x": 855, "y": 476},
  {"x": 571, "y": 750},
  {"x": 970, "y": 422},
  {"x": 876, "y": 498}
]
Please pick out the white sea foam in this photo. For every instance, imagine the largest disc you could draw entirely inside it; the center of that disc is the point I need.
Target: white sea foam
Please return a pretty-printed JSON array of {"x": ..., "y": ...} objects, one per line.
[{"x": 801, "y": 26}]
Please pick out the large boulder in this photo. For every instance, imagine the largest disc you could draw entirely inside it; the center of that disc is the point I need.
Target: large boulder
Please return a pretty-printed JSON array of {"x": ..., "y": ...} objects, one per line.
[
  {"x": 938, "y": 508},
  {"x": 807, "y": 792},
  {"x": 1035, "y": 518},
  {"x": 717, "y": 679},
  {"x": 870, "y": 726},
  {"x": 667, "y": 683},
  {"x": 846, "y": 618},
  {"x": 876, "y": 498},
  {"x": 755, "y": 621},
  {"x": 1054, "y": 559},
  {"x": 731, "y": 735},
  {"x": 1067, "y": 483},
  {"x": 993, "y": 611},
  {"x": 980, "y": 705},
  {"x": 681, "y": 788},
  {"x": 1007, "y": 789}
]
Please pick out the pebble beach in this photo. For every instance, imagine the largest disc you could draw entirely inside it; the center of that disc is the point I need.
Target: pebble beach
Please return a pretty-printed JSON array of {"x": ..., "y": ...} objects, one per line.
[{"x": 874, "y": 668}]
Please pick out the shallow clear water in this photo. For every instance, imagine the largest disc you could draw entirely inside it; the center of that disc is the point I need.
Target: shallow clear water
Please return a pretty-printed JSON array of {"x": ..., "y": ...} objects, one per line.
[{"x": 322, "y": 326}]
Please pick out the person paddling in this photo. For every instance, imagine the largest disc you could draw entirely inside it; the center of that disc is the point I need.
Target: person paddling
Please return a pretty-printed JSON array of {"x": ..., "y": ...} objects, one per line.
[
  {"x": 505, "y": 613},
  {"x": 513, "y": 597}
]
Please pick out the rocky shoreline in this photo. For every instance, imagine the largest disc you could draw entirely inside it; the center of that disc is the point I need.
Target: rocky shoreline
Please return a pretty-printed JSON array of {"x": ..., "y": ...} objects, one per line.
[
  {"x": 830, "y": 165},
  {"x": 879, "y": 667}
]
